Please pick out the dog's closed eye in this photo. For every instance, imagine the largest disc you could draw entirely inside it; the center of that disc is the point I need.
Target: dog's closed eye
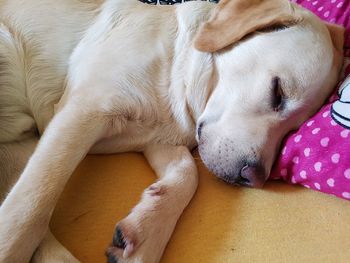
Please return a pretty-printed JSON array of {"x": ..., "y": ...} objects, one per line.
[
  {"x": 273, "y": 28},
  {"x": 199, "y": 130},
  {"x": 277, "y": 95}
]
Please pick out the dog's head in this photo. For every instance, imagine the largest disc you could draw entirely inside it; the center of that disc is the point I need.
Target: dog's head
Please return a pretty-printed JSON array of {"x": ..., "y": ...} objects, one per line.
[{"x": 275, "y": 64}]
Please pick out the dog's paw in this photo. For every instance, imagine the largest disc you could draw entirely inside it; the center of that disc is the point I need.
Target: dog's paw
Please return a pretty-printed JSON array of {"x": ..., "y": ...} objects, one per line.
[
  {"x": 123, "y": 244},
  {"x": 112, "y": 258},
  {"x": 126, "y": 247},
  {"x": 142, "y": 236}
]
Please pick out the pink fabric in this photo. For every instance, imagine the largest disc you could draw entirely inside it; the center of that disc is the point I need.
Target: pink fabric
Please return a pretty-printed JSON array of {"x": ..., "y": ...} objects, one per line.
[{"x": 317, "y": 156}]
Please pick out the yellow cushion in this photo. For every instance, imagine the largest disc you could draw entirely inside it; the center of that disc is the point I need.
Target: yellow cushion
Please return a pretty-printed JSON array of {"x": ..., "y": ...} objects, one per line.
[{"x": 280, "y": 223}]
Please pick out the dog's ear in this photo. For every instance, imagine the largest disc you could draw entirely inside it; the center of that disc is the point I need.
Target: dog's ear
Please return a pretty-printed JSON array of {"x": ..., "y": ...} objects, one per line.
[
  {"x": 232, "y": 20},
  {"x": 337, "y": 35}
]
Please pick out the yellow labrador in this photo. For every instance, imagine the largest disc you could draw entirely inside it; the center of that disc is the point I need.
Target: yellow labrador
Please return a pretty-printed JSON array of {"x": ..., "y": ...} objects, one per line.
[{"x": 233, "y": 78}]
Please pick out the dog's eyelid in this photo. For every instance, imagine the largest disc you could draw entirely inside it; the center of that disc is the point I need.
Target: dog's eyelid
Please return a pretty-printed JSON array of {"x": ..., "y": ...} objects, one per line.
[
  {"x": 274, "y": 28},
  {"x": 278, "y": 96}
]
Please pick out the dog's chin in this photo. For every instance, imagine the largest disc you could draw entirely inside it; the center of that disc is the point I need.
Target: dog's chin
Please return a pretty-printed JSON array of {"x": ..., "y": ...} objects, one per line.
[{"x": 213, "y": 165}]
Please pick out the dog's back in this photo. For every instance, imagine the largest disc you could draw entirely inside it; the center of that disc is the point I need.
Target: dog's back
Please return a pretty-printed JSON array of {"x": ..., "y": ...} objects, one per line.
[{"x": 36, "y": 40}]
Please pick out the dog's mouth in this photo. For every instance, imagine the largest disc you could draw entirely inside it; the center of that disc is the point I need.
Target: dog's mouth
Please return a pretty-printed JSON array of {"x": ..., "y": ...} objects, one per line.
[
  {"x": 243, "y": 173},
  {"x": 243, "y": 182}
]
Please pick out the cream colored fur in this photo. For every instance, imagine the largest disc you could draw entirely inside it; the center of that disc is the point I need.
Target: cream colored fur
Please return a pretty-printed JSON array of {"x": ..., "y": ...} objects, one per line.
[{"x": 133, "y": 81}]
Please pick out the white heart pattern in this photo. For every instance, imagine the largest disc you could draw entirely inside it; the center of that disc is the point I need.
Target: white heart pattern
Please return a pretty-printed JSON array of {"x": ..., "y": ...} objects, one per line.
[
  {"x": 347, "y": 174},
  {"x": 345, "y": 133},
  {"x": 303, "y": 175},
  {"x": 315, "y": 131},
  {"x": 298, "y": 138},
  {"x": 310, "y": 123},
  {"x": 335, "y": 158},
  {"x": 330, "y": 182},
  {"x": 324, "y": 142},
  {"x": 318, "y": 166},
  {"x": 346, "y": 195},
  {"x": 318, "y": 186}
]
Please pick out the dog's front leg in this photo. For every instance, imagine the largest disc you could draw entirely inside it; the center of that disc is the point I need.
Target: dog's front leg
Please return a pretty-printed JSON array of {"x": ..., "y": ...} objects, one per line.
[
  {"x": 142, "y": 236},
  {"x": 25, "y": 213},
  {"x": 52, "y": 251}
]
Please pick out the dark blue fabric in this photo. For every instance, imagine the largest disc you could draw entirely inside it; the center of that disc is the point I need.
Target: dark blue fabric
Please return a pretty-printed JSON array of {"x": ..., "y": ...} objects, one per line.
[{"x": 171, "y": 2}]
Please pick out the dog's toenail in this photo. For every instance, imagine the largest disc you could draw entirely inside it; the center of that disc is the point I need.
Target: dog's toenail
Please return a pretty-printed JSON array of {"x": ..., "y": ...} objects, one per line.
[
  {"x": 118, "y": 238},
  {"x": 112, "y": 259}
]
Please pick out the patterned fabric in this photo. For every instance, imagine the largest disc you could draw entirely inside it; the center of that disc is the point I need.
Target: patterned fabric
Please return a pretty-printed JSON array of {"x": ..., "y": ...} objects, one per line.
[{"x": 317, "y": 155}]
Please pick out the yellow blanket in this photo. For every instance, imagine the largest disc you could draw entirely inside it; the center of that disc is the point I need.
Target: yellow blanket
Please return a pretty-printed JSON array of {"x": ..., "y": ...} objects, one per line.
[{"x": 222, "y": 224}]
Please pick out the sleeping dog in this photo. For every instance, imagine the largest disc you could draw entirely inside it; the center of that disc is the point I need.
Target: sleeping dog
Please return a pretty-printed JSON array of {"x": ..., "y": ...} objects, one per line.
[{"x": 111, "y": 76}]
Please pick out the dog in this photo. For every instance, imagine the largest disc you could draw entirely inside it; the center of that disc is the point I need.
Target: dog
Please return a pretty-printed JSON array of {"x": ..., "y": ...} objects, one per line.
[{"x": 108, "y": 76}]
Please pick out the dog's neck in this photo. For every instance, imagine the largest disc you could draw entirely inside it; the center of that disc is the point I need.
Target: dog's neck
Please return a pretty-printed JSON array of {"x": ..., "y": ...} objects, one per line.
[
  {"x": 198, "y": 71},
  {"x": 199, "y": 82}
]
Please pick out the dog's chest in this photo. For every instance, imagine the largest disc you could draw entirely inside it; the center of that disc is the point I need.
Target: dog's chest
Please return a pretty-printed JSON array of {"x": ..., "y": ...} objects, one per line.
[
  {"x": 138, "y": 134},
  {"x": 134, "y": 82}
]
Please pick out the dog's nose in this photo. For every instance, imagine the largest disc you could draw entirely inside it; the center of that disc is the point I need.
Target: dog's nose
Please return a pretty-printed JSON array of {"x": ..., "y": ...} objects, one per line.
[{"x": 252, "y": 175}]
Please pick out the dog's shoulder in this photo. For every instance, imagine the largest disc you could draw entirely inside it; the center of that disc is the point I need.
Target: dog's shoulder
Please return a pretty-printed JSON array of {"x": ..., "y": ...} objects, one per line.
[{"x": 190, "y": 15}]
